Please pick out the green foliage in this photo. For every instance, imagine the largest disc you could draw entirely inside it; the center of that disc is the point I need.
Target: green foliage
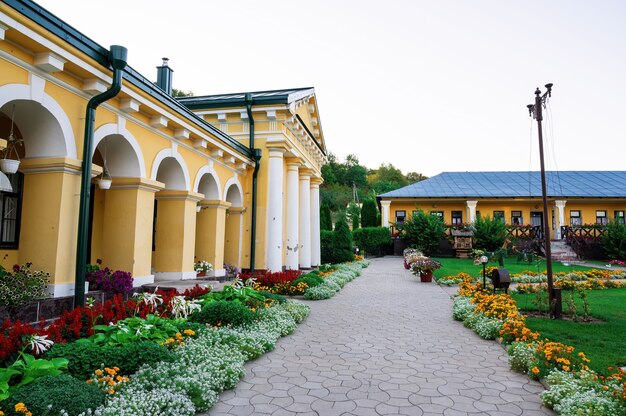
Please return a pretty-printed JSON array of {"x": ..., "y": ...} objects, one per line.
[
  {"x": 223, "y": 313},
  {"x": 343, "y": 242},
  {"x": 310, "y": 279},
  {"x": 244, "y": 295},
  {"x": 489, "y": 233},
  {"x": 152, "y": 328},
  {"x": 336, "y": 246},
  {"x": 369, "y": 214},
  {"x": 273, "y": 296},
  {"x": 372, "y": 240},
  {"x": 386, "y": 178},
  {"x": 26, "y": 370},
  {"x": 85, "y": 357},
  {"x": 422, "y": 231},
  {"x": 319, "y": 293},
  {"x": 614, "y": 240},
  {"x": 326, "y": 221},
  {"x": 22, "y": 285},
  {"x": 180, "y": 93},
  {"x": 52, "y": 394},
  {"x": 354, "y": 215}
]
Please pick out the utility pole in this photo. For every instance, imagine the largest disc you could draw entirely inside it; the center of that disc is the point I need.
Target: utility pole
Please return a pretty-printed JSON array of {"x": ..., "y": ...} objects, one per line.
[{"x": 536, "y": 110}]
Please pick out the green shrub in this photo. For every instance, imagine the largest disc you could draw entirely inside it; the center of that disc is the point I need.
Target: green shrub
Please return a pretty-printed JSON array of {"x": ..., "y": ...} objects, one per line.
[
  {"x": 354, "y": 215},
  {"x": 422, "y": 231},
  {"x": 326, "y": 221},
  {"x": 343, "y": 242},
  {"x": 85, "y": 357},
  {"x": 614, "y": 240},
  {"x": 273, "y": 296},
  {"x": 51, "y": 394},
  {"x": 327, "y": 245},
  {"x": 369, "y": 214},
  {"x": 489, "y": 233},
  {"x": 223, "y": 313},
  {"x": 372, "y": 240},
  {"x": 310, "y": 279}
]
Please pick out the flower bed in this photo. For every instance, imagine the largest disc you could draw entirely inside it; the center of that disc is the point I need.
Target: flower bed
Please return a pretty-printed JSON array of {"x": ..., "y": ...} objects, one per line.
[
  {"x": 158, "y": 353},
  {"x": 574, "y": 389}
]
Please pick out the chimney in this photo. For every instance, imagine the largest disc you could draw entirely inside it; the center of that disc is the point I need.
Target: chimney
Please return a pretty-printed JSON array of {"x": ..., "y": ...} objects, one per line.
[{"x": 164, "y": 77}]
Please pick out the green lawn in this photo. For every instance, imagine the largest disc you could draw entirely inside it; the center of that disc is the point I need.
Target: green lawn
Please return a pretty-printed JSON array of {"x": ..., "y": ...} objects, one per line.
[
  {"x": 604, "y": 343},
  {"x": 452, "y": 266}
]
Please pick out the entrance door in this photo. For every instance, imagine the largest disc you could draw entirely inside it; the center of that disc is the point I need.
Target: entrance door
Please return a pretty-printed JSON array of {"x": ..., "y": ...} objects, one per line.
[{"x": 536, "y": 218}]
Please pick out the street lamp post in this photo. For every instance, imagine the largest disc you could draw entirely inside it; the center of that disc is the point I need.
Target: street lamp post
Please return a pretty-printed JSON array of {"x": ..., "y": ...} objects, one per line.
[
  {"x": 484, "y": 260},
  {"x": 536, "y": 110}
]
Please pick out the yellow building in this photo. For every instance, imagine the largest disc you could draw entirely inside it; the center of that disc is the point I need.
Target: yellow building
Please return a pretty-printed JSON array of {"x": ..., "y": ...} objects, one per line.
[
  {"x": 574, "y": 198},
  {"x": 230, "y": 179}
]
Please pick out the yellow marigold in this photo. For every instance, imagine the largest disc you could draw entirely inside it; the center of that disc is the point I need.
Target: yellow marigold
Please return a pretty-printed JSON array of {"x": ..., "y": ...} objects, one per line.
[
  {"x": 88, "y": 381},
  {"x": 20, "y": 407},
  {"x": 189, "y": 332},
  {"x": 565, "y": 368},
  {"x": 110, "y": 371},
  {"x": 111, "y": 383},
  {"x": 169, "y": 340},
  {"x": 535, "y": 370},
  {"x": 98, "y": 372},
  {"x": 28, "y": 414},
  {"x": 1, "y": 413},
  {"x": 116, "y": 368},
  {"x": 111, "y": 391}
]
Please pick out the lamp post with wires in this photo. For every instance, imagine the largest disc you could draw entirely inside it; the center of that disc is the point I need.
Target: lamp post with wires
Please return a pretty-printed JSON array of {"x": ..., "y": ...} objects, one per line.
[{"x": 536, "y": 110}]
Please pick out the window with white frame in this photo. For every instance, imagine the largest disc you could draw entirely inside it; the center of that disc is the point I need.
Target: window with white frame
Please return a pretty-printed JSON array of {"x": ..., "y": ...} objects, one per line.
[
  {"x": 575, "y": 218},
  {"x": 400, "y": 216},
  {"x": 601, "y": 217},
  {"x": 516, "y": 218},
  {"x": 457, "y": 217}
]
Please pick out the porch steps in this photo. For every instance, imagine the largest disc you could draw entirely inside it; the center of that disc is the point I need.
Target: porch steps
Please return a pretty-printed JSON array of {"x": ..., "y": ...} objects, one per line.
[{"x": 561, "y": 251}]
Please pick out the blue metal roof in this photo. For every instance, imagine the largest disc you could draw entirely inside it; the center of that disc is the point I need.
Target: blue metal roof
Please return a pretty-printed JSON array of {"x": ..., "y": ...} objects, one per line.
[{"x": 566, "y": 184}]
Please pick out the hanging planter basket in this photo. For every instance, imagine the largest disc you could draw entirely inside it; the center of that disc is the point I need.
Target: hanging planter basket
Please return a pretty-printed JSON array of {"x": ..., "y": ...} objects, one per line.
[
  {"x": 104, "y": 182},
  {"x": 8, "y": 166}
]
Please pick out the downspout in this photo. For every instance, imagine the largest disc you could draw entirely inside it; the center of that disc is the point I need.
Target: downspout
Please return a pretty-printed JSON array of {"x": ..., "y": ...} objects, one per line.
[
  {"x": 117, "y": 59},
  {"x": 257, "y": 164}
]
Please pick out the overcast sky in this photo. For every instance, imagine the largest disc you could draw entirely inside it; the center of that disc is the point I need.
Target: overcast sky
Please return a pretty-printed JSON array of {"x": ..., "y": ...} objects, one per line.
[{"x": 428, "y": 86}]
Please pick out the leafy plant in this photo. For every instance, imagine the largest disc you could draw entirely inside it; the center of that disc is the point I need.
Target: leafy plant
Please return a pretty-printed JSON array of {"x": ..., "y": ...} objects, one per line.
[
  {"x": 84, "y": 357},
  {"x": 614, "y": 240},
  {"x": 422, "y": 231},
  {"x": 309, "y": 279},
  {"x": 221, "y": 313},
  {"x": 354, "y": 215},
  {"x": 152, "y": 328},
  {"x": 489, "y": 233},
  {"x": 55, "y": 393}
]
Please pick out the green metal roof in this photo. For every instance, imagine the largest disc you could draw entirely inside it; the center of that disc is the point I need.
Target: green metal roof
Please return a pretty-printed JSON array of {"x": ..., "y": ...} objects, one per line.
[
  {"x": 565, "y": 184},
  {"x": 286, "y": 96},
  {"x": 100, "y": 54}
]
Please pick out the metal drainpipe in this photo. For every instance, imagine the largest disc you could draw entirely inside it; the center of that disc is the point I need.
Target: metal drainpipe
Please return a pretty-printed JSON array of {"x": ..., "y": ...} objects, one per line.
[
  {"x": 117, "y": 58},
  {"x": 257, "y": 164}
]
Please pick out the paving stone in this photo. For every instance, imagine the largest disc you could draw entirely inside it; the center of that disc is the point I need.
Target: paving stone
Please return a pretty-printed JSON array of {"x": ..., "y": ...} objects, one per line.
[{"x": 386, "y": 344}]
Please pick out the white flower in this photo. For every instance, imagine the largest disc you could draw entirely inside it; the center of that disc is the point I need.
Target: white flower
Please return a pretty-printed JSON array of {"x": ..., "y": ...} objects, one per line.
[
  {"x": 40, "y": 343},
  {"x": 181, "y": 307}
]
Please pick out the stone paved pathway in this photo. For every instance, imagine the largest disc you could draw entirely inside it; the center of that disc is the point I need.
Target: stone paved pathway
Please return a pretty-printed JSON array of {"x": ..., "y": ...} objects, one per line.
[{"x": 385, "y": 345}]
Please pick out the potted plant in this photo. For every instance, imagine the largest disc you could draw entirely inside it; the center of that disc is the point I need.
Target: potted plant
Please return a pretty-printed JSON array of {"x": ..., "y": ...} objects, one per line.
[
  {"x": 424, "y": 267},
  {"x": 202, "y": 267},
  {"x": 104, "y": 182},
  {"x": 8, "y": 165}
]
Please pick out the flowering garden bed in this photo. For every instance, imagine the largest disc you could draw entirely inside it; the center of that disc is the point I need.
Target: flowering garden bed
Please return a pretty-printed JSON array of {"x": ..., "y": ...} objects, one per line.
[
  {"x": 574, "y": 388},
  {"x": 159, "y": 353}
]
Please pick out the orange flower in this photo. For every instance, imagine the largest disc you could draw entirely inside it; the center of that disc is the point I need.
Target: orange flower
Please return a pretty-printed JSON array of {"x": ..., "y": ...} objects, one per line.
[{"x": 535, "y": 370}]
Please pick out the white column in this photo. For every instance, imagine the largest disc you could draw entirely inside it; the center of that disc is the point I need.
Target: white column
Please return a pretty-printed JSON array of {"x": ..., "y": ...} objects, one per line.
[
  {"x": 304, "y": 254},
  {"x": 471, "y": 205},
  {"x": 316, "y": 253},
  {"x": 274, "y": 247},
  {"x": 385, "y": 217},
  {"x": 560, "y": 205},
  {"x": 292, "y": 244}
]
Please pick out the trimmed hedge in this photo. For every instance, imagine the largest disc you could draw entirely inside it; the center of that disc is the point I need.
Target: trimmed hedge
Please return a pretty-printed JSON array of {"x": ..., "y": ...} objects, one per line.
[{"x": 372, "y": 240}]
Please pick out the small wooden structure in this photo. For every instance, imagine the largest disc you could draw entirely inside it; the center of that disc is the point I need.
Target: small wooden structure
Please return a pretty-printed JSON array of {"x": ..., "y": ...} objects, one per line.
[{"x": 463, "y": 243}]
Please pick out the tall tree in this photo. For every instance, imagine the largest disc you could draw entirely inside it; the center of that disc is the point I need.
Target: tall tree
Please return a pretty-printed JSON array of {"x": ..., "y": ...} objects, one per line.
[{"x": 369, "y": 214}]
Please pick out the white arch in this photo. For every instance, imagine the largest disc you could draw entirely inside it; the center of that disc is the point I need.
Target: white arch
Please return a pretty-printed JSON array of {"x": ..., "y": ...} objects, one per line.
[
  {"x": 169, "y": 152},
  {"x": 35, "y": 93},
  {"x": 234, "y": 181},
  {"x": 208, "y": 170},
  {"x": 119, "y": 129}
]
